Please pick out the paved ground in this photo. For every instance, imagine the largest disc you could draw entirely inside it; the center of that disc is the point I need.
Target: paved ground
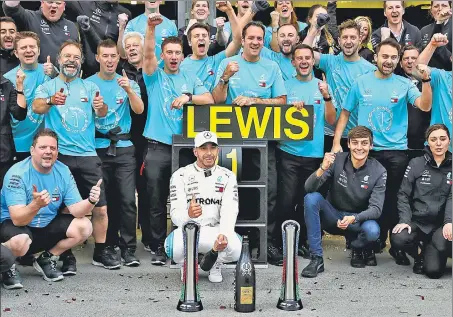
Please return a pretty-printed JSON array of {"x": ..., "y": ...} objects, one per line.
[{"x": 385, "y": 290}]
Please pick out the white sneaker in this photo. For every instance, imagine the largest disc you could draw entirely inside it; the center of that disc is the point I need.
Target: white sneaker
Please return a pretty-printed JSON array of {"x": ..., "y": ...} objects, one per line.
[{"x": 215, "y": 274}]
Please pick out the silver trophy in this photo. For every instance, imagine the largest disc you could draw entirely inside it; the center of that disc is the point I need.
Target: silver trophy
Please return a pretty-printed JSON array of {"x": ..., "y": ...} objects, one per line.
[
  {"x": 190, "y": 297},
  {"x": 290, "y": 293}
]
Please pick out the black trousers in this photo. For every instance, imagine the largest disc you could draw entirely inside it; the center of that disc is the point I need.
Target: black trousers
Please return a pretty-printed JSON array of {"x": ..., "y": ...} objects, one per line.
[
  {"x": 157, "y": 169},
  {"x": 141, "y": 146},
  {"x": 292, "y": 172},
  {"x": 395, "y": 162},
  {"x": 436, "y": 253},
  {"x": 409, "y": 242},
  {"x": 4, "y": 168},
  {"x": 118, "y": 174}
]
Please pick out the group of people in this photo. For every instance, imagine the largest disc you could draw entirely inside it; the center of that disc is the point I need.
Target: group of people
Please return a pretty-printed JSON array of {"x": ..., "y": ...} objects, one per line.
[{"x": 107, "y": 94}]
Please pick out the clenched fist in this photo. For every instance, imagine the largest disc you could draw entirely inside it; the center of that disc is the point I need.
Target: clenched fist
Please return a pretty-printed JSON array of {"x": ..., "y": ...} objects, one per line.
[
  {"x": 122, "y": 20},
  {"x": 231, "y": 69}
]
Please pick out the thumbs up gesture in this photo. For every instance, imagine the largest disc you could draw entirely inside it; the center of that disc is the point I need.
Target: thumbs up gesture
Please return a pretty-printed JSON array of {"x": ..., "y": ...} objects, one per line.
[
  {"x": 40, "y": 199},
  {"x": 59, "y": 98},
  {"x": 124, "y": 82},
  {"x": 194, "y": 208},
  {"x": 98, "y": 101},
  {"x": 20, "y": 77},
  {"x": 95, "y": 193},
  {"x": 323, "y": 87},
  {"x": 48, "y": 67}
]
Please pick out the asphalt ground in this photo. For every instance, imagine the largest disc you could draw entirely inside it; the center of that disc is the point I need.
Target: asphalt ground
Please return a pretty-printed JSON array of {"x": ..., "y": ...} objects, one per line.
[{"x": 385, "y": 290}]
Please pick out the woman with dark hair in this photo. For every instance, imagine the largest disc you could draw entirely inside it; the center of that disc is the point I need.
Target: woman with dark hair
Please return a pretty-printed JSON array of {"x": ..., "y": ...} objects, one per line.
[
  {"x": 283, "y": 14},
  {"x": 425, "y": 208},
  {"x": 441, "y": 13},
  {"x": 366, "y": 48},
  {"x": 326, "y": 42}
]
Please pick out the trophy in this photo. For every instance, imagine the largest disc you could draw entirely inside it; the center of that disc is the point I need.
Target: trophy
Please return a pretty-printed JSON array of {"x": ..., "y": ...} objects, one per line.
[
  {"x": 290, "y": 295},
  {"x": 190, "y": 298}
]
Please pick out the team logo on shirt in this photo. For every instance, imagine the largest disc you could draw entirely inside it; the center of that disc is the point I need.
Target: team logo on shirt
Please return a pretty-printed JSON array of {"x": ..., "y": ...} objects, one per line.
[
  {"x": 394, "y": 98},
  {"x": 66, "y": 32},
  {"x": 449, "y": 181},
  {"x": 83, "y": 96},
  {"x": 45, "y": 27},
  {"x": 426, "y": 178},
  {"x": 262, "y": 81},
  {"x": 119, "y": 98},
  {"x": 2, "y": 97},
  {"x": 364, "y": 184},
  {"x": 56, "y": 195},
  {"x": 74, "y": 119},
  {"x": 380, "y": 119}
]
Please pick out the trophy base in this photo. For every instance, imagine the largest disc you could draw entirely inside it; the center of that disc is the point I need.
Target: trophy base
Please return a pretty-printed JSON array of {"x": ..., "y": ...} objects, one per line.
[
  {"x": 289, "y": 305},
  {"x": 189, "y": 307}
]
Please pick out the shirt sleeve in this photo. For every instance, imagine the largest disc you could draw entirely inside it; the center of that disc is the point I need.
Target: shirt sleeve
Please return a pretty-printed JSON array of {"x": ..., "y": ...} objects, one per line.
[
  {"x": 21, "y": 16},
  {"x": 435, "y": 77},
  {"x": 136, "y": 88},
  {"x": 198, "y": 87},
  {"x": 42, "y": 91},
  {"x": 448, "y": 210},
  {"x": 173, "y": 30},
  {"x": 278, "y": 87},
  {"x": 325, "y": 62},
  {"x": 412, "y": 93},
  {"x": 313, "y": 183},
  {"x": 376, "y": 201},
  {"x": 352, "y": 99},
  {"x": 405, "y": 194},
  {"x": 16, "y": 111},
  {"x": 179, "y": 212},
  {"x": 151, "y": 79},
  {"x": 14, "y": 189},
  {"x": 71, "y": 194},
  {"x": 229, "y": 209}
]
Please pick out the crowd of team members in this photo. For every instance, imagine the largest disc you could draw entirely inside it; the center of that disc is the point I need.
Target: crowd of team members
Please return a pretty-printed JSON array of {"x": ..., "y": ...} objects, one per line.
[{"x": 112, "y": 90}]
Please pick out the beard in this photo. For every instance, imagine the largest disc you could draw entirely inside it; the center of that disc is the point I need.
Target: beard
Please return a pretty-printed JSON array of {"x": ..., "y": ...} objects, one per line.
[{"x": 63, "y": 69}]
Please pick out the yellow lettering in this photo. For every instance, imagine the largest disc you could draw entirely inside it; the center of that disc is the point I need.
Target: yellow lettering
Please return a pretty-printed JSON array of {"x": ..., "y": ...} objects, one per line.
[
  {"x": 260, "y": 127},
  {"x": 234, "y": 161},
  {"x": 214, "y": 121},
  {"x": 298, "y": 123},
  {"x": 277, "y": 121},
  {"x": 191, "y": 122}
]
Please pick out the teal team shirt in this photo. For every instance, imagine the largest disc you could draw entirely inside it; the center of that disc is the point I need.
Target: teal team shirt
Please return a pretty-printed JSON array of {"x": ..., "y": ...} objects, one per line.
[
  {"x": 382, "y": 107},
  {"x": 286, "y": 67},
  {"x": 18, "y": 190},
  {"x": 162, "y": 121},
  {"x": 340, "y": 75},
  {"x": 118, "y": 114},
  {"x": 309, "y": 93},
  {"x": 166, "y": 29},
  {"x": 74, "y": 121},
  {"x": 441, "y": 84},
  {"x": 205, "y": 69},
  {"x": 268, "y": 34},
  {"x": 23, "y": 131},
  {"x": 261, "y": 79}
]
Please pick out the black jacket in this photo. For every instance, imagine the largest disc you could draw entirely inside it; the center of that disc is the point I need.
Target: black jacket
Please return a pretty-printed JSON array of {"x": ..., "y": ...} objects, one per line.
[
  {"x": 367, "y": 54},
  {"x": 7, "y": 61},
  {"x": 8, "y": 107},
  {"x": 138, "y": 120},
  {"x": 424, "y": 197},
  {"x": 214, "y": 47},
  {"x": 103, "y": 25},
  {"x": 442, "y": 55},
  {"x": 51, "y": 34},
  {"x": 411, "y": 35},
  {"x": 360, "y": 191}
]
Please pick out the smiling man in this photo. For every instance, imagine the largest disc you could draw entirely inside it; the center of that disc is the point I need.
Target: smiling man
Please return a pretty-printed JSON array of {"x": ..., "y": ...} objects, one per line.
[
  {"x": 8, "y": 59},
  {"x": 207, "y": 194},
  {"x": 353, "y": 204},
  {"x": 52, "y": 28},
  {"x": 380, "y": 99}
]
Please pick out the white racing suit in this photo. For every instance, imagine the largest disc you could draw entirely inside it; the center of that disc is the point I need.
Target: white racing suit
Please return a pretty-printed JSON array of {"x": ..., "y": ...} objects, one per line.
[{"x": 216, "y": 191}]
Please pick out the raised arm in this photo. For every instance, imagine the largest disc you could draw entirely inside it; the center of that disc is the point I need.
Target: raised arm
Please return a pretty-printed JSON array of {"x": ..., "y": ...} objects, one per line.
[
  {"x": 150, "y": 58},
  {"x": 235, "y": 45},
  {"x": 438, "y": 40},
  {"x": 310, "y": 39},
  {"x": 122, "y": 20}
]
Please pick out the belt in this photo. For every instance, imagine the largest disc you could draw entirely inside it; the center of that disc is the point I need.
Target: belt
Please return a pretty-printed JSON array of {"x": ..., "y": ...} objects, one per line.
[{"x": 114, "y": 136}]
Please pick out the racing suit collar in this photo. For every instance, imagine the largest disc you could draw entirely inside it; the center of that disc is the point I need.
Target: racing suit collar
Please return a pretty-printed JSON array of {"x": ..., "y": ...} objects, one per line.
[{"x": 204, "y": 170}]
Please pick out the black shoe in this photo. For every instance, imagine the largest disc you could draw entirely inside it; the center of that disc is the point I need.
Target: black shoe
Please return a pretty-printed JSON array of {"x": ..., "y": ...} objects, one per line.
[
  {"x": 11, "y": 278},
  {"x": 399, "y": 256},
  {"x": 347, "y": 244},
  {"x": 274, "y": 256},
  {"x": 46, "y": 264},
  {"x": 370, "y": 257},
  {"x": 315, "y": 266},
  {"x": 128, "y": 257},
  {"x": 69, "y": 266},
  {"x": 26, "y": 260},
  {"x": 107, "y": 258},
  {"x": 303, "y": 251},
  {"x": 357, "y": 259},
  {"x": 158, "y": 257},
  {"x": 418, "y": 265},
  {"x": 379, "y": 246}
]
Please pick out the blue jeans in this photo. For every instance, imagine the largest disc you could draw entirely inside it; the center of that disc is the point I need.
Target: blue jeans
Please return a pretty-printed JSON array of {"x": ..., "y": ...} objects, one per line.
[{"x": 318, "y": 210}]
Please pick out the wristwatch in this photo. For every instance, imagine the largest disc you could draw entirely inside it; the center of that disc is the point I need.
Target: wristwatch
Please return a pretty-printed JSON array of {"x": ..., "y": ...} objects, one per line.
[
  {"x": 19, "y": 92},
  {"x": 274, "y": 29},
  {"x": 188, "y": 95},
  {"x": 49, "y": 101},
  {"x": 223, "y": 81}
]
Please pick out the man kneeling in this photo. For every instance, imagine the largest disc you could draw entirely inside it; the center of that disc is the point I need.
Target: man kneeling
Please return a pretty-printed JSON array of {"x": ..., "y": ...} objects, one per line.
[
  {"x": 206, "y": 193},
  {"x": 354, "y": 202},
  {"x": 32, "y": 193}
]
